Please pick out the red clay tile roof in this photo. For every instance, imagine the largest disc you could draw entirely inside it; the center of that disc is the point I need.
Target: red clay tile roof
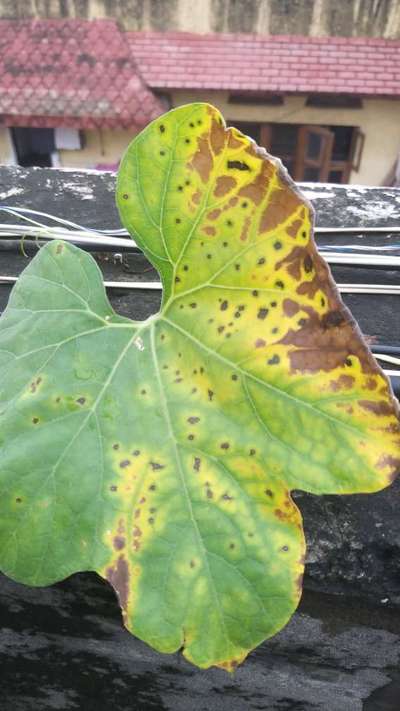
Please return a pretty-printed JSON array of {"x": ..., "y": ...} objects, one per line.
[
  {"x": 240, "y": 62},
  {"x": 88, "y": 74},
  {"x": 73, "y": 73}
]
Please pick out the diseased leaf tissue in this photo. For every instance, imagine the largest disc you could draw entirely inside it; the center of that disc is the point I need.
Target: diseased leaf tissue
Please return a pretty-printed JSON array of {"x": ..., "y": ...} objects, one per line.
[{"x": 162, "y": 454}]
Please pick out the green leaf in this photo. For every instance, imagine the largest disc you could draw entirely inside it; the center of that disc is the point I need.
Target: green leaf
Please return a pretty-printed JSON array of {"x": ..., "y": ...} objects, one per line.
[{"x": 162, "y": 454}]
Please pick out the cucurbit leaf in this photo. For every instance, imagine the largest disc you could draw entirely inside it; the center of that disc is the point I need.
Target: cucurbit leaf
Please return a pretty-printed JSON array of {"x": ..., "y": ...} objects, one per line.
[{"x": 162, "y": 454}]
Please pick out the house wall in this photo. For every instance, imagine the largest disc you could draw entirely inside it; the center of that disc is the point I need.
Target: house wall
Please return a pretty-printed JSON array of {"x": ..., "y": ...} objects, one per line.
[
  {"x": 6, "y": 149},
  {"x": 379, "y": 119},
  {"x": 375, "y": 18},
  {"x": 100, "y": 147}
]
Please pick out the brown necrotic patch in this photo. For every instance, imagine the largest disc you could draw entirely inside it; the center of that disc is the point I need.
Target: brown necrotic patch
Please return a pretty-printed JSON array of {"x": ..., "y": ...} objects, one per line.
[
  {"x": 245, "y": 229},
  {"x": 281, "y": 205},
  {"x": 343, "y": 382},
  {"x": 256, "y": 190},
  {"x": 202, "y": 161},
  {"x": 217, "y": 137},
  {"x": 224, "y": 184},
  {"x": 380, "y": 407},
  {"x": 118, "y": 576},
  {"x": 290, "y": 307},
  {"x": 209, "y": 230}
]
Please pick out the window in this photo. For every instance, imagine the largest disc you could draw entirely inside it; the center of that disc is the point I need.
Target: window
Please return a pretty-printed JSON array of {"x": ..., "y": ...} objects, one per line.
[
  {"x": 311, "y": 153},
  {"x": 256, "y": 98},
  {"x": 39, "y": 146},
  {"x": 34, "y": 146},
  {"x": 335, "y": 101}
]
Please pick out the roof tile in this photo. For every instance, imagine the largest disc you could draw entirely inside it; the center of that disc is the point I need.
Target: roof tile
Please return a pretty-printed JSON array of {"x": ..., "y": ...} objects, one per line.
[
  {"x": 265, "y": 63},
  {"x": 71, "y": 73}
]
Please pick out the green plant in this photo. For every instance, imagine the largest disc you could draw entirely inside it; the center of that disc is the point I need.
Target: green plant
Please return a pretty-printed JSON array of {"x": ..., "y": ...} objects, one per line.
[{"x": 162, "y": 454}]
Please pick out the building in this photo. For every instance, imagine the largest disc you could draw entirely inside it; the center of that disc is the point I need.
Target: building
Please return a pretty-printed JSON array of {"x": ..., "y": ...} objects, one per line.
[{"x": 74, "y": 92}]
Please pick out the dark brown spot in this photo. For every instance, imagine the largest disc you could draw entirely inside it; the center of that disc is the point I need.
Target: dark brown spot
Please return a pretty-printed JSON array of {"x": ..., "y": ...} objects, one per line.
[
  {"x": 261, "y": 261},
  {"x": 156, "y": 465},
  {"x": 119, "y": 543},
  {"x": 225, "y": 445},
  {"x": 308, "y": 264},
  {"x": 224, "y": 305},
  {"x": 262, "y": 313},
  {"x": 254, "y": 292},
  {"x": 115, "y": 446},
  {"x": 35, "y": 420},
  {"x": 209, "y": 494},
  {"x": 192, "y": 564},
  {"x": 277, "y": 245},
  {"x": 237, "y": 165},
  {"x": 18, "y": 500},
  {"x": 152, "y": 487},
  {"x": 193, "y": 420},
  {"x": 113, "y": 487},
  {"x": 162, "y": 128},
  {"x": 232, "y": 546},
  {"x": 269, "y": 493},
  {"x": 274, "y": 360},
  {"x": 124, "y": 463},
  {"x": 226, "y": 497},
  {"x": 81, "y": 400},
  {"x": 332, "y": 319},
  {"x": 234, "y": 377},
  {"x": 196, "y": 464},
  {"x": 252, "y": 452},
  {"x": 260, "y": 343}
]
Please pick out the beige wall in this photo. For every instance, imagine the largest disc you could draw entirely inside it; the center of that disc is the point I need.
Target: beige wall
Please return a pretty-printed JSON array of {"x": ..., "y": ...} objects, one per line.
[
  {"x": 6, "y": 150},
  {"x": 377, "y": 18},
  {"x": 103, "y": 146},
  {"x": 379, "y": 119}
]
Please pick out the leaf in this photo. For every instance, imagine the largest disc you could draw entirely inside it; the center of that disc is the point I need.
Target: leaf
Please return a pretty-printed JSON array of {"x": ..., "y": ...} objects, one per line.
[{"x": 162, "y": 454}]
